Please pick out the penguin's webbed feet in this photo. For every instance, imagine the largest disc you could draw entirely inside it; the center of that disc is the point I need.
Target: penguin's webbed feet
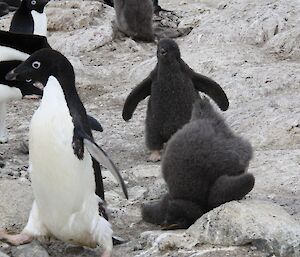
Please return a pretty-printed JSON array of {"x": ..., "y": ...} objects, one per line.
[
  {"x": 15, "y": 240},
  {"x": 155, "y": 156}
]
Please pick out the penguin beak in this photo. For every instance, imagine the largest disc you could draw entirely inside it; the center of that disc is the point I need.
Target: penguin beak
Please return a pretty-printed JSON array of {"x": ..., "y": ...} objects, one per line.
[
  {"x": 163, "y": 52},
  {"x": 11, "y": 75}
]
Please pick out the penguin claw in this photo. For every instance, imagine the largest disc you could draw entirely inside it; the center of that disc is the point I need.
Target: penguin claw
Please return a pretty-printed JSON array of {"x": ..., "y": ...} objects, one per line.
[{"x": 155, "y": 156}]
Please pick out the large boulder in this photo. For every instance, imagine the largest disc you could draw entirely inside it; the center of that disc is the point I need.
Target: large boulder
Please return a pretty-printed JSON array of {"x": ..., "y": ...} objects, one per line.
[{"x": 263, "y": 225}]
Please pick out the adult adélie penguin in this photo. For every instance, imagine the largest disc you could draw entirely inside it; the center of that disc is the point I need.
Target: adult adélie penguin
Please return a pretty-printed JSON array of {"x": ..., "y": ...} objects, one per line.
[
  {"x": 62, "y": 157},
  {"x": 30, "y": 18}
]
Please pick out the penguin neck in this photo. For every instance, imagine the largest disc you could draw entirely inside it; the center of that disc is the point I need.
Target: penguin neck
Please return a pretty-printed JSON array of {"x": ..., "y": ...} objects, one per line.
[
  {"x": 168, "y": 71},
  {"x": 23, "y": 6},
  {"x": 168, "y": 66},
  {"x": 66, "y": 82}
]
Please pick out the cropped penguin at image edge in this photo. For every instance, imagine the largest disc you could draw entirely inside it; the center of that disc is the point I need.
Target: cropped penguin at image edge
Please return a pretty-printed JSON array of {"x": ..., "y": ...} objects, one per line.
[{"x": 30, "y": 18}]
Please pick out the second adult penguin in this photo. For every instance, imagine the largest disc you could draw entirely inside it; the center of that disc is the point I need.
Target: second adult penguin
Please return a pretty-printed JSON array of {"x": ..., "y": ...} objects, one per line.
[
  {"x": 134, "y": 18},
  {"x": 30, "y": 18},
  {"x": 173, "y": 87}
]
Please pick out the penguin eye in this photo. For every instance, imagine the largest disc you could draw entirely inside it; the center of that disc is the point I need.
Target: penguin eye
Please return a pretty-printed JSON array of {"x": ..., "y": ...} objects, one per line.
[
  {"x": 28, "y": 80},
  {"x": 36, "y": 65},
  {"x": 33, "y": 2}
]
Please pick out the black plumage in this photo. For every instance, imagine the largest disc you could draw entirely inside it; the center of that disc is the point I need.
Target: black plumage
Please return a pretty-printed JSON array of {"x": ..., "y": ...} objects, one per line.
[
  {"x": 173, "y": 87},
  {"x": 204, "y": 166},
  {"x": 134, "y": 18}
]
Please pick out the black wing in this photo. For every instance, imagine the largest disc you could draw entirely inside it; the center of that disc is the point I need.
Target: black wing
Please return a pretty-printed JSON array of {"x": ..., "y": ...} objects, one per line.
[
  {"x": 209, "y": 87},
  {"x": 100, "y": 156},
  {"x": 139, "y": 93}
]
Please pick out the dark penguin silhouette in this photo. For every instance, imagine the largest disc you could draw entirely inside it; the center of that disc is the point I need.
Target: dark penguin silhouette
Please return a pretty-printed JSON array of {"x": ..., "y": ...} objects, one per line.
[
  {"x": 30, "y": 18},
  {"x": 173, "y": 87},
  {"x": 204, "y": 166},
  {"x": 4, "y": 9},
  {"x": 134, "y": 18},
  {"x": 16, "y": 46},
  {"x": 64, "y": 159}
]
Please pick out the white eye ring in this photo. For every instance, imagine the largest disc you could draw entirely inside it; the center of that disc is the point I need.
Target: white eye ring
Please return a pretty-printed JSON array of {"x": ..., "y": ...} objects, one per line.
[
  {"x": 28, "y": 80},
  {"x": 33, "y": 2},
  {"x": 36, "y": 65}
]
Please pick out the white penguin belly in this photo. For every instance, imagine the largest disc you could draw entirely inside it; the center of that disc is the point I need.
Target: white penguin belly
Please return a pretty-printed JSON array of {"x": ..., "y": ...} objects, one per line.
[
  {"x": 8, "y": 54},
  {"x": 9, "y": 93},
  {"x": 63, "y": 185},
  {"x": 40, "y": 23}
]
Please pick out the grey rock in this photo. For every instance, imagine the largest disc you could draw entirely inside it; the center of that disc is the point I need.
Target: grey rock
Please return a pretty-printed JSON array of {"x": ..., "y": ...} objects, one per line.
[
  {"x": 15, "y": 204},
  {"x": 264, "y": 225},
  {"x": 92, "y": 23},
  {"x": 33, "y": 249}
]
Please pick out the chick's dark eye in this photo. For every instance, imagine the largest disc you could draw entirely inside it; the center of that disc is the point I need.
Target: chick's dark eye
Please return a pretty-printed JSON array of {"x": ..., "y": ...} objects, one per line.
[
  {"x": 36, "y": 65},
  {"x": 33, "y": 2}
]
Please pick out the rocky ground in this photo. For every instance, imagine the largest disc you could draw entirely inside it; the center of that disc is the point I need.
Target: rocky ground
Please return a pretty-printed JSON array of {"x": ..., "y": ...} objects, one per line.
[{"x": 252, "y": 48}]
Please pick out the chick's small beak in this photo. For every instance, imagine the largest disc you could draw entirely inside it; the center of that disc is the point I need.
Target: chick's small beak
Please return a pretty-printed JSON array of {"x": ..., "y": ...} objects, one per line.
[
  {"x": 163, "y": 51},
  {"x": 11, "y": 75}
]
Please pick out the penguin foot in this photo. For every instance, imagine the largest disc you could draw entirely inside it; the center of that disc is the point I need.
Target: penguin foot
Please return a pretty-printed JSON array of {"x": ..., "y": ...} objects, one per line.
[
  {"x": 15, "y": 240},
  {"x": 155, "y": 156},
  {"x": 106, "y": 254}
]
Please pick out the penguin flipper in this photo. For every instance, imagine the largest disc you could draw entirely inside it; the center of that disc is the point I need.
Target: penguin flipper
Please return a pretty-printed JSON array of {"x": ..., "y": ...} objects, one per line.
[
  {"x": 208, "y": 86},
  {"x": 82, "y": 138},
  {"x": 94, "y": 124},
  {"x": 100, "y": 156},
  {"x": 139, "y": 93}
]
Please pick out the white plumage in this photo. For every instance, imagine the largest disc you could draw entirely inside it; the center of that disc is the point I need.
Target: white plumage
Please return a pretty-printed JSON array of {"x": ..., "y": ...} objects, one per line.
[
  {"x": 66, "y": 205},
  {"x": 40, "y": 23},
  {"x": 6, "y": 93},
  {"x": 8, "y": 54}
]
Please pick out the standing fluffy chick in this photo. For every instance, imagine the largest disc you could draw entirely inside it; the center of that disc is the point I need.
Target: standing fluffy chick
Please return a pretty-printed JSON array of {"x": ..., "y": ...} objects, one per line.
[
  {"x": 173, "y": 87},
  {"x": 134, "y": 18},
  {"x": 204, "y": 166}
]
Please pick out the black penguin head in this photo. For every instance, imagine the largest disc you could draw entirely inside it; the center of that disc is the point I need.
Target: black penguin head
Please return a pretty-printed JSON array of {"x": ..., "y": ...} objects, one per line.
[
  {"x": 167, "y": 50},
  {"x": 41, "y": 65},
  {"x": 4, "y": 9},
  {"x": 26, "y": 87},
  {"x": 35, "y": 5}
]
